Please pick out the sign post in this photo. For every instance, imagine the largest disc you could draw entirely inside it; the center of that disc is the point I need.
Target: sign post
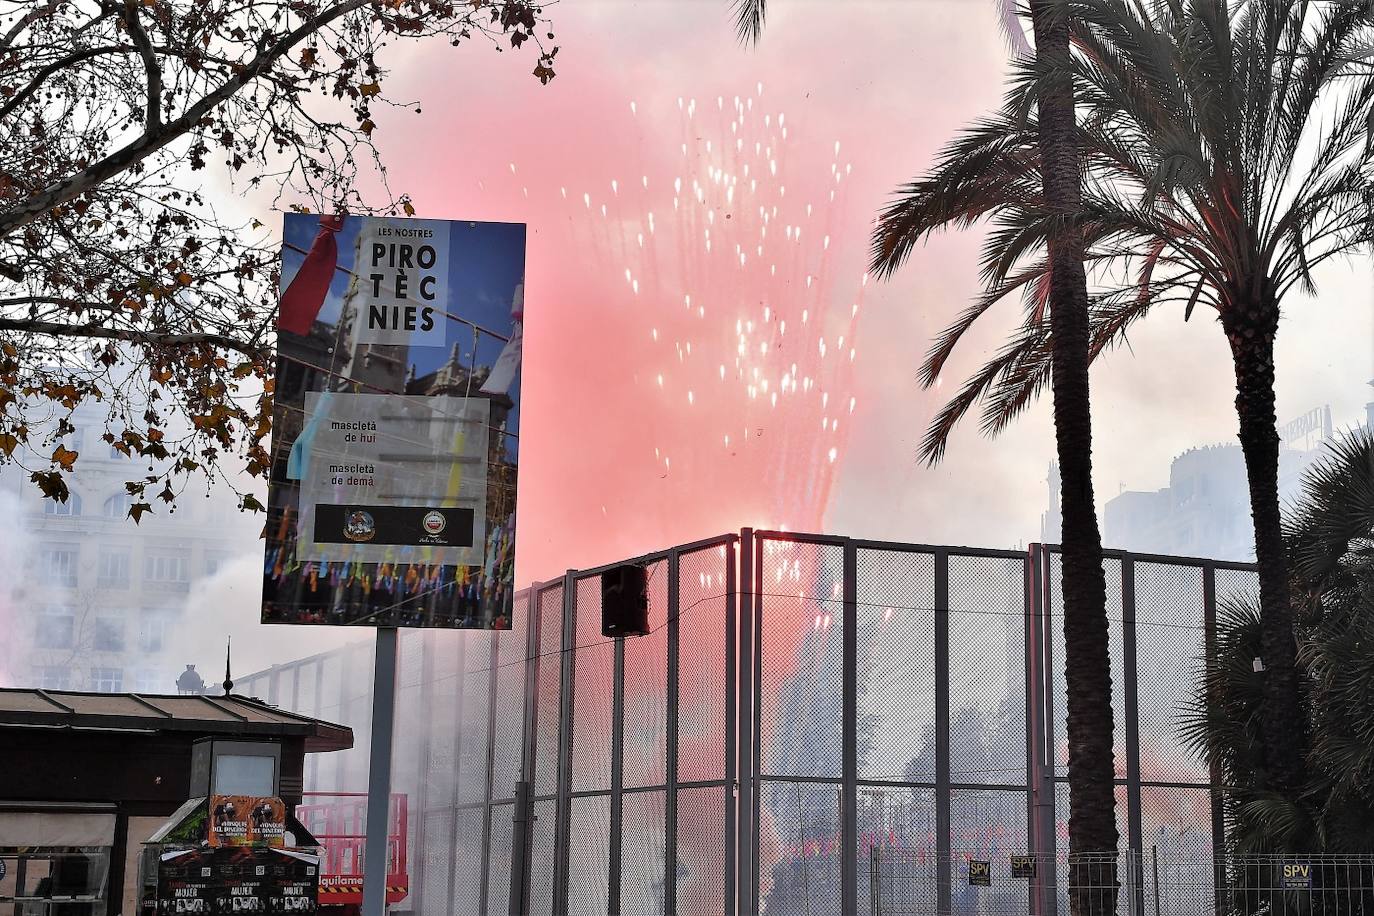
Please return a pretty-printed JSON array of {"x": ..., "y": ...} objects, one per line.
[
  {"x": 376, "y": 858},
  {"x": 395, "y": 441}
]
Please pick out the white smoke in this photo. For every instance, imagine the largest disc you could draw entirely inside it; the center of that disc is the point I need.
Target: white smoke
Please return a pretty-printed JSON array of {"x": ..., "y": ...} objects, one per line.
[
  {"x": 229, "y": 604},
  {"x": 15, "y": 550}
]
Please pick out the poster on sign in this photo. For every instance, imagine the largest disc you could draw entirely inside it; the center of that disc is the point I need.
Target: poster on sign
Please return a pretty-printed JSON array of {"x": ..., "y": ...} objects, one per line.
[
  {"x": 246, "y": 820},
  {"x": 395, "y": 427}
]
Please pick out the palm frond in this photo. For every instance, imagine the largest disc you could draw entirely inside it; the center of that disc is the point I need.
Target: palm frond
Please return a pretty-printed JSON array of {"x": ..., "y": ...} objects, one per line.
[{"x": 749, "y": 19}]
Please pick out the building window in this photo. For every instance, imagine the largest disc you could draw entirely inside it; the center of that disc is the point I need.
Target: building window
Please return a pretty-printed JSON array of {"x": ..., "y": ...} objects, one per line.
[
  {"x": 107, "y": 680},
  {"x": 153, "y": 630},
  {"x": 149, "y": 680},
  {"x": 117, "y": 506},
  {"x": 71, "y": 507},
  {"x": 108, "y": 635},
  {"x": 215, "y": 560},
  {"x": 53, "y": 677},
  {"x": 113, "y": 569},
  {"x": 57, "y": 564},
  {"x": 167, "y": 568},
  {"x": 56, "y": 628}
]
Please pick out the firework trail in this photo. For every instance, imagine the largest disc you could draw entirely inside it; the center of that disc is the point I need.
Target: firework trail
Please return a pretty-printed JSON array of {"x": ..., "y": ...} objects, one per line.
[{"x": 706, "y": 254}]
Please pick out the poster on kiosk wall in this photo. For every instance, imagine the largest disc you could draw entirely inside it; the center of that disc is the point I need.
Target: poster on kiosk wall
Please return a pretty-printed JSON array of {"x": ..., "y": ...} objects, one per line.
[{"x": 395, "y": 426}]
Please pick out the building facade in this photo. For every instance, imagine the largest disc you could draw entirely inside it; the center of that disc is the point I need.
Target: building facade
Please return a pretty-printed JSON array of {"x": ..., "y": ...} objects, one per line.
[
  {"x": 97, "y": 602},
  {"x": 1205, "y": 509}
]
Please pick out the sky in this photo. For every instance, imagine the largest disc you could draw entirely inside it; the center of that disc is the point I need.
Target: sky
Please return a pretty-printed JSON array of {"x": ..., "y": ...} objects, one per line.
[
  {"x": 660, "y": 401},
  {"x": 619, "y": 465}
]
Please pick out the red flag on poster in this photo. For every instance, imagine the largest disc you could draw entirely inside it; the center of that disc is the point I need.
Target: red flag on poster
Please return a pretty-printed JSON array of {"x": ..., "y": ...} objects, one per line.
[{"x": 304, "y": 297}]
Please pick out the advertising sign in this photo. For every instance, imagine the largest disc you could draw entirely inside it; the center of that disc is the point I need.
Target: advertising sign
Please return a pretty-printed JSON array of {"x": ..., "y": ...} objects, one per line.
[
  {"x": 395, "y": 426},
  {"x": 1296, "y": 876},
  {"x": 238, "y": 879},
  {"x": 979, "y": 873},
  {"x": 184, "y": 882},
  {"x": 245, "y": 820},
  {"x": 1023, "y": 866}
]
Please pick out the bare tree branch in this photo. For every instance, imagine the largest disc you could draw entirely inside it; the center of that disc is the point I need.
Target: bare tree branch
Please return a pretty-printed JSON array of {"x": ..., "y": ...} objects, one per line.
[
  {"x": 150, "y": 338},
  {"x": 153, "y": 118}
]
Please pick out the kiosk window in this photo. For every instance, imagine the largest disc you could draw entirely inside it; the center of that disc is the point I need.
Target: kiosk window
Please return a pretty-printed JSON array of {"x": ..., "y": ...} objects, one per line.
[
  {"x": 54, "y": 881},
  {"x": 241, "y": 774}
]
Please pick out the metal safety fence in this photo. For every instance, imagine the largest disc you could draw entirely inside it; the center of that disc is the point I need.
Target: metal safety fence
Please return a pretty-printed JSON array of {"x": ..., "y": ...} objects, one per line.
[
  {"x": 800, "y": 701},
  {"x": 905, "y": 883}
]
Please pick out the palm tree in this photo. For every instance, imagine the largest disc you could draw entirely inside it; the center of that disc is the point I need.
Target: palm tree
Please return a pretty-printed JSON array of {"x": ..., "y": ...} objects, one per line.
[
  {"x": 1087, "y": 655},
  {"x": 1330, "y": 545},
  {"x": 1092, "y": 825},
  {"x": 1225, "y": 153}
]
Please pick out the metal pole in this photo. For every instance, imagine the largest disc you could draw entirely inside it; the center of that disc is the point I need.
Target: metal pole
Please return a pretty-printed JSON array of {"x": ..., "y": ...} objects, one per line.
[
  {"x": 746, "y": 887},
  {"x": 1131, "y": 690},
  {"x": 1154, "y": 867},
  {"x": 849, "y": 801},
  {"x": 375, "y": 858},
  {"x": 943, "y": 864},
  {"x": 670, "y": 743}
]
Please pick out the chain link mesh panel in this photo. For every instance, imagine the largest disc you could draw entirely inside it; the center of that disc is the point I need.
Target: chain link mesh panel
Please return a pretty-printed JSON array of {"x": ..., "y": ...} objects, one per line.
[
  {"x": 801, "y": 644},
  {"x": 442, "y": 720},
  {"x": 799, "y": 849},
  {"x": 1236, "y": 585},
  {"x": 589, "y": 820},
  {"x": 548, "y": 662},
  {"x": 473, "y": 718},
  {"x": 987, "y": 670},
  {"x": 510, "y": 702},
  {"x": 643, "y": 828},
  {"x": 467, "y": 862},
  {"x": 646, "y": 692},
  {"x": 593, "y": 686},
  {"x": 432, "y": 894},
  {"x": 987, "y": 823},
  {"x": 1176, "y": 839},
  {"x": 895, "y": 631},
  {"x": 895, "y": 817},
  {"x": 1171, "y": 643},
  {"x": 498, "y": 871},
  {"x": 542, "y": 855},
  {"x": 701, "y": 851},
  {"x": 702, "y": 609},
  {"x": 1115, "y": 647}
]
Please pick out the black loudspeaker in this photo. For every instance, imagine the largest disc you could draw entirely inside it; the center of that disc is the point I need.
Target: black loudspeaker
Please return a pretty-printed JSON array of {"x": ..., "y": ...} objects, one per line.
[{"x": 625, "y": 601}]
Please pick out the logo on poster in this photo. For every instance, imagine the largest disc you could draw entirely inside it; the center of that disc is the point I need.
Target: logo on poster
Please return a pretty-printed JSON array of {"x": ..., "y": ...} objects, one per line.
[{"x": 434, "y": 522}]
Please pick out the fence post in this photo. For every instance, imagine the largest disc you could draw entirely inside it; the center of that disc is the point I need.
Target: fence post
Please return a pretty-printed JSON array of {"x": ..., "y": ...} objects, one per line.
[
  {"x": 565, "y": 722},
  {"x": 617, "y": 799},
  {"x": 522, "y": 828},
  {"x": 1209, "y": 624},
  {"x": 874, "y": 886},
  {"x": 746, "y": 887},
  {"x": 849, "y": 831},
  {"x": 1131, "y": 690},
  {"x": 942, "y": 792},
  {"x": 1154, "y": 870},
  {"x": 671, "y": 741},
  {"x": 488, "y": 769},
  {"x": 733, "y": 840},
  {"x": 1040, "y": 673}
]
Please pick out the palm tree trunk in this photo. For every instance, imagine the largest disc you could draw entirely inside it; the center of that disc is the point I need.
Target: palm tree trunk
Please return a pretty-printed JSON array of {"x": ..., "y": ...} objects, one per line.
[
  {"x": 1250, "y": 329},
  {"x": 1087, "y": 663}
]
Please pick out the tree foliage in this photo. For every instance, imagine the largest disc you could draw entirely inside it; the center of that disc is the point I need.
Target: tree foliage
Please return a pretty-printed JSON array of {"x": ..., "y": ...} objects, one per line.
[
  {"x": 125, "y": 277},
  {"x": 1225, "y": 145},
  {"x": 1330, "y": 540}
]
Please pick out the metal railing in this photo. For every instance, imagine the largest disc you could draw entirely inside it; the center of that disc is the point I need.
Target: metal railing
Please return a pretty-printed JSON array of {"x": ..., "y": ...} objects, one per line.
[{"x": 906, "y": 882}]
